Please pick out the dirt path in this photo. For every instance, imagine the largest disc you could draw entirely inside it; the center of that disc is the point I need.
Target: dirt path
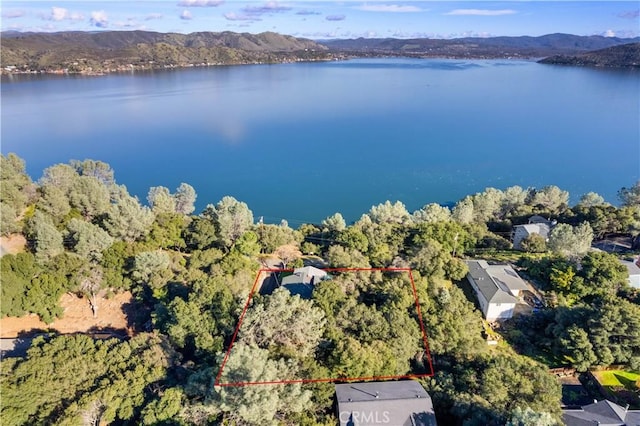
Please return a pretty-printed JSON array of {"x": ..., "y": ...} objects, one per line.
[
  {"x": 77, "y": 317},
  {"x": 12, "y": 244}
]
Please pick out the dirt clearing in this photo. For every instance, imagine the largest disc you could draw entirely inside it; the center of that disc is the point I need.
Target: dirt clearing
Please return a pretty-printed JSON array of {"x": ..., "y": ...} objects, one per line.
[{"x": 112, "y": 314}]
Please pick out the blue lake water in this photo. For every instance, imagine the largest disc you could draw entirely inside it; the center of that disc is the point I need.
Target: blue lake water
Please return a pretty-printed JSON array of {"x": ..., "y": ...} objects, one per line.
[{"x": 302, "y": 141}]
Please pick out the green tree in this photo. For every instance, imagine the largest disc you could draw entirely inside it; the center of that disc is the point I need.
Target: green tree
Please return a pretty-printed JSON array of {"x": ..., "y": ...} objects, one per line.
[
  {"x": 334, "y": 223},
  {"x": 534, "y": 243},
  {"x": 353, "y": 238},
  {"x": 570, "y": 241},
  {"x": 232, "y": 219},
  {"x": 286, "y": 325},
  {"x": 527, "y": 417},
  {"x": 43, "y": 236},
  {"x": 126, "y": 219},
  {"x": 87, "y": 239},
  {"x": 578, "y": 348},
  {"x": 351, "y": 358},
  {"x": 89, "y": 196},
  {"x": 167, "y": 231},
  {"x": 17, "y": 189},
  {"x": 463, "y": 212},
  {"x": 60, "y": 175},
  {"x": 264, "y": 404},
  {"x": 199, "y": 325},
  {"x": 271, "y": 237},
  {"x": 432, "y": 213},
  {"x": 550, "y": 199},
  {"x": 8, "y": 219},
  {"x": 390, "y": 213},
  {"x": 17, "y": 271},
  {"x": 339, "y": 257},
  {"x": 166, "y": 409},
  {"x": 603, "y": 273},
  {"x": 591, "y": 199},
  {"x": 74, "y": 378},
  {"x": 185, "y": 198},
  {"x": 95, "y": 169},
  {"x": 630, "y": 196},
  {"x": 54, "y": 202},
  {"x": 152, "y": 268},
  {"x": 161, "y": 200},
  {"x": 514, "y": 202},
  {"x": 201, "y": 234}
]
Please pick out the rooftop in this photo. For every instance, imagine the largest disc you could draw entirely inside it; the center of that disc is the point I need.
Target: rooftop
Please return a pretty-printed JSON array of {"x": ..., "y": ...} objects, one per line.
[
  {"x": 399, "y": 403},
  {"x": 495, "y": 281},
  {"x": 602, "y": 413}
]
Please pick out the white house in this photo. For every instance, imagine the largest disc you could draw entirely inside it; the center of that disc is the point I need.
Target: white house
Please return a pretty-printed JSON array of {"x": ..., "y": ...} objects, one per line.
[
  {"x": 497, "y": 288},
  {"x": 633, "y": 266},
  {"x": 537, "y": 225}
]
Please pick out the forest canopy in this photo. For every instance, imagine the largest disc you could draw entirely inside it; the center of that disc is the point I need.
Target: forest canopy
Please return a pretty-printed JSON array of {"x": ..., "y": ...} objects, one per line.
[{"x": 191, "y": 272}]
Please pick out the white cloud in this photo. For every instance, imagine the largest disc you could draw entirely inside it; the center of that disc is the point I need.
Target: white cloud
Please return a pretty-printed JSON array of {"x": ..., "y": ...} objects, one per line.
[
  {"x": 11, "y": 14},
  {"x": 389, "y": 8},
  {"x": 151, "y": 16},
  {"x": 200, "y": 3},
  {"x": 99, "y": 19},
  {"x": 609, "y": 33},
  {"x": 58, "y": 13},
  {"x": 271, "y": 6},
  {"x": 481, "y": 12},
  {"x": 335, "y": 18},
  {"x": 232, "y": 16},
  {"x": 62, "y": 14},
  {"x": 186, "y": 15}
]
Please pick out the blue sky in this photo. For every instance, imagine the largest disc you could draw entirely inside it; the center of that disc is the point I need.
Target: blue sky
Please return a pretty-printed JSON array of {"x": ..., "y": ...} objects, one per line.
[{"x": 330, "y": 19}]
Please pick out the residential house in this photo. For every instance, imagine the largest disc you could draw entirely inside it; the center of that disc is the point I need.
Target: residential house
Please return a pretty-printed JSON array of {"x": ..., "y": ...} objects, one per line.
[
  {"x": 633, "y": 266},
  {"x": 537, "y": 225},
  {"x": 397, "y": 403},
  {"x": 603, "y": 413},
  {"x": 497, "y": 287},
  {"x": 302, "y": 280}
]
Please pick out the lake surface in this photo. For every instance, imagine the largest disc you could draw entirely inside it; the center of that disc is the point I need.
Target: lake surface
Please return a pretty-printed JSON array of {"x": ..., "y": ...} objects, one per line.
[{"x": 302, "y": 141}]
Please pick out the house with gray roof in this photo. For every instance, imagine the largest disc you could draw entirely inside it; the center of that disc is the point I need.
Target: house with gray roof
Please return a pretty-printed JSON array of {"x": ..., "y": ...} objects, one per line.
[
  {"x": 397, "y": 403},
  {"x": 497, "y": 287},
  {"x": 603, "y": 413},
  {"x": 302, "y": 281},
  {"x": 537, "y": 225}
]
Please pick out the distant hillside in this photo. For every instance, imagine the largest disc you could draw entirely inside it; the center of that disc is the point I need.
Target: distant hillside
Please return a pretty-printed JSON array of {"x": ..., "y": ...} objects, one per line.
[
  {"x": 623, "y": 56},
  {"x": 112, "y": 50},
  {"x": 474, "y": 47}
]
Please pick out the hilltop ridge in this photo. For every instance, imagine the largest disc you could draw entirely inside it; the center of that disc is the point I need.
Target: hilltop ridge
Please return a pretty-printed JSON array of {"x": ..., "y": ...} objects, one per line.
[
  {"x": 101, "y": 52},
  {"x": 96, "y": 52},
  {"x": 623, "y": 56}
]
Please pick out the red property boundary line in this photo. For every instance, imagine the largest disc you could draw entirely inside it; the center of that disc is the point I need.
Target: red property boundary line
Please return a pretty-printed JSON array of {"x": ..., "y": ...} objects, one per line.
[{"x": 328, "y": 380}]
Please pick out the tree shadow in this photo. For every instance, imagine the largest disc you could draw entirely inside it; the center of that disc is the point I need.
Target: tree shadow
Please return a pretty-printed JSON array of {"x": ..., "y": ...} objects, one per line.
[
  {"x": 138, "y": 316},
  {"x": 626, "y": 382},
  {"x": 100, "y": 333}
]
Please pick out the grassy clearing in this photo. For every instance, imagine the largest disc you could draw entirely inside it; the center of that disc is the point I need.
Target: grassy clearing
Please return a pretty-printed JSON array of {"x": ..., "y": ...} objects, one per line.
[{"x": 617, "y": 378}]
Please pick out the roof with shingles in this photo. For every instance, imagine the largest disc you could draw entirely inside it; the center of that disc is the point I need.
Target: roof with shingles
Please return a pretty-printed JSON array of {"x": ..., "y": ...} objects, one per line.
[
  {"x": 491, "y": 289},
  {"x": 603, "y": 413},
  {"x": 397, "y": 403}
]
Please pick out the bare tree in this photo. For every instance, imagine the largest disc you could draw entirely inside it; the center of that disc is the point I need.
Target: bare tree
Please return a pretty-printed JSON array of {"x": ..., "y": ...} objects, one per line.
[
  {"x": 92, "y": 415},
  {"x": 91, "y": 285},
  {"x": 288, "y": 253}
]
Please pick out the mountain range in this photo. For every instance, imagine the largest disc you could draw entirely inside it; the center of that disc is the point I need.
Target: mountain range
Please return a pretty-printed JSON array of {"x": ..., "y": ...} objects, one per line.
[
  {"x": 625, "y": 55},
  {"x": 474, "y": 47},
  {"x": 98, "y": 52}
]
